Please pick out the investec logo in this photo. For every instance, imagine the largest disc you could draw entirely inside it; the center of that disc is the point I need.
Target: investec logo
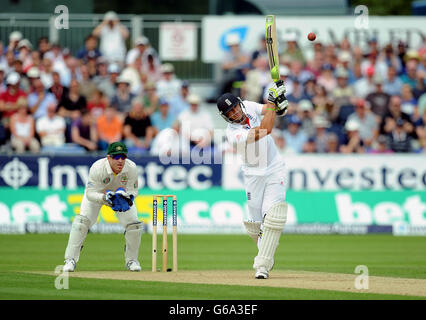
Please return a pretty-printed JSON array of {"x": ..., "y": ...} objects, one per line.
[
  {"x": 153, "y": 175},
  {"x": 16, "y": 173}
]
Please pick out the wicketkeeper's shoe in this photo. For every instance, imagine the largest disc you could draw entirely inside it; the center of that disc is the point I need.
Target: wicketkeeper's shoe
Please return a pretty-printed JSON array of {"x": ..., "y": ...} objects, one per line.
[
  {"x": 69, "y": 265},
  {"x": 261, "y": 273},
  {"x": 133, "y": 265}
]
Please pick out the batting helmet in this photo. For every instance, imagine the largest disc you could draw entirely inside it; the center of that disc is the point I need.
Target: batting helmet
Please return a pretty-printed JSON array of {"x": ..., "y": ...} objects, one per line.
[{"x": 226, "y": 103}]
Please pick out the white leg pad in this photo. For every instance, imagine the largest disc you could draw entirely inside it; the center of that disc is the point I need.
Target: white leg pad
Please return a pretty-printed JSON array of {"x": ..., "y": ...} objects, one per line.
[
  {"x": 253, "y": 229},
  {"x": 133, "y": 240},
  {"x": 79, "y": 229},
  {"x": 273, "y": 226}
]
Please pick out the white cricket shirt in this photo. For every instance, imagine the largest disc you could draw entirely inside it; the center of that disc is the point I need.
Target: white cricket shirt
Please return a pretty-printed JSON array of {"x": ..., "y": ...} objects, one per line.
[
  {"x": 260, "y": 157},
  {"x": 102, "y": 178}
]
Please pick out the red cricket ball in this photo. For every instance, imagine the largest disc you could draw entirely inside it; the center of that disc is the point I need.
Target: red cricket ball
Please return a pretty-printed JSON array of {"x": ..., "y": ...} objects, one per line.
[{"x": 311, "y": 36}]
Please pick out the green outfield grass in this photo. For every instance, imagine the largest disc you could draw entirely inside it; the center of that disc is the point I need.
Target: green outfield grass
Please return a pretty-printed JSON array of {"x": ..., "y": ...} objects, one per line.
[{"x": 384, "y": 255}]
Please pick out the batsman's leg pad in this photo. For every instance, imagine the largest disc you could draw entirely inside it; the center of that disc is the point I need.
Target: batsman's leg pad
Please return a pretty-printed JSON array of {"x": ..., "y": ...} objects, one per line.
[
  {"x": 253, "y": 229},
  {"x": 273, "y": 226},
  {"x": 79, "y": 229},
  {"x": 133, "y": 240}
]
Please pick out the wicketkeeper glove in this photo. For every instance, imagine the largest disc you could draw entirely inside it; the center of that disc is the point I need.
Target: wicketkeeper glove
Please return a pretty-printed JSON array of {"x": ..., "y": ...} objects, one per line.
[
  {"x": 120, "y": 192},
  {"x": 120, "y": 204},
  {"x": 118, "y": 201},
  {"x": 109, "y": 198}
]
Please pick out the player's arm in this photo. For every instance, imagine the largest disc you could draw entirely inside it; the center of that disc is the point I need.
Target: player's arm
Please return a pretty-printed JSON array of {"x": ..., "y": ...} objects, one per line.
[
  {"x": 265, "y": 108},
  {"x": 93, "y": 185},
  {"x": 133, "y": 188},
  {"x": 97, "y": 31},
  {"x": 277, "y": 103},
  {"x": 266, "y": 125}
]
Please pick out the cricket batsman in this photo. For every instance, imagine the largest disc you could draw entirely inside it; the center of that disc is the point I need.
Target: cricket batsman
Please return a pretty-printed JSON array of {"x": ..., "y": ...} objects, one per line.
[
  {"x": 113, "y": 181},
  {"x": 263, "y": 169}
]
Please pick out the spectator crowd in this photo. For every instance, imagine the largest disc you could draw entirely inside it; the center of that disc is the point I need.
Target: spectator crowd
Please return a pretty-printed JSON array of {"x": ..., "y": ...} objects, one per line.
[
  {"x": 342, "y": 99},
  {"x": 53, "y": 101}
]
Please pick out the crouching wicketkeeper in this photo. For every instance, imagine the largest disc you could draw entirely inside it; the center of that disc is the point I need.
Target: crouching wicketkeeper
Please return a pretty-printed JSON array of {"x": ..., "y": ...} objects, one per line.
[{"x": 113, "y": 181}]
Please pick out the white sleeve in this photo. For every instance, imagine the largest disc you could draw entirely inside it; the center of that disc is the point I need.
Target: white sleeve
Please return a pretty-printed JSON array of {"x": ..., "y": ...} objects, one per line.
[
  {"x": 161, "y": 91},
  {"x": 258, "y": 108},
  {"x": 132, "y": 187},
  {"x": 62, "y": 124},
  {"x": 104, "y": 32},
  {"x": 93, "y": 184},
  {"x": 252, "y": 106},
  {"x": 39, "y": 125},
  {"x": 181, "y": 117},
  {"x": 131, "y": 56}
]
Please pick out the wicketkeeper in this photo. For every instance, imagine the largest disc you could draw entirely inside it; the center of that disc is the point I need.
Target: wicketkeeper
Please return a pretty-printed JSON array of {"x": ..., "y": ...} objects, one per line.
[
  {"x": 113, "y": 181},
  {"x": 263, "y": 169}
]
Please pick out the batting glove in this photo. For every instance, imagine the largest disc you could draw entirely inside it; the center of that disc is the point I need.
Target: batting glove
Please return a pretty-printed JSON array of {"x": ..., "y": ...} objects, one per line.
[
  {"x": 276, "y": 91},
  {"x": 281, "y": 108}
]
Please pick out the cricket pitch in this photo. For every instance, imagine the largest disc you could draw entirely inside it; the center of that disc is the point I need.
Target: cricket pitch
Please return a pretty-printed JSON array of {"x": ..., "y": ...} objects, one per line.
[{"x": 280, "y": 279}]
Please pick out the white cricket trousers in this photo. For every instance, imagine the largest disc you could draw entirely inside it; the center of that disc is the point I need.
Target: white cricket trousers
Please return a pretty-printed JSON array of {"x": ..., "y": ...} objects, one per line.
[{"x": 263, "y": 192}]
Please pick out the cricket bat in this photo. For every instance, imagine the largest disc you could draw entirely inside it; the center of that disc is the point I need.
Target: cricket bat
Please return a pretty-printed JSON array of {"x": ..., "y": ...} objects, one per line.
[{"x": 272, "y": 47}]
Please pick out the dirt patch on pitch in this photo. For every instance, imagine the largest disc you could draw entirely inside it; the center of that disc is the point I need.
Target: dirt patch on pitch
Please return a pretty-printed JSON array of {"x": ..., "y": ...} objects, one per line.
[{"x": 280, "y": 279}]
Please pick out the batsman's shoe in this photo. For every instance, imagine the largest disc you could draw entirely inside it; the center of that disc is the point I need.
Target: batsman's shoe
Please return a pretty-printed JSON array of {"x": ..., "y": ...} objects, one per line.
[
  {"x": 69, "y": 265},
  {"x": 133, "y": 265},
  {"x": 261, "y": 273}
]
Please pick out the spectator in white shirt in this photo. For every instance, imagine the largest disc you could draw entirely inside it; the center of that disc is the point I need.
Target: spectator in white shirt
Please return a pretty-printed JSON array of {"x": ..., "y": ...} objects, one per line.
[
  {"x": 365, "y": 85},
  {"x": 22, "y": 129},
  {"x": 3, "y": 61},
  {"x": 143, "y": 49},
  {"x": 51, "y": 128},
  {"x": 169, "y": 86},
  {"x": 368, "y": 124},
  {"x": 196, "y": 124},
  {"x": 112, "y": 36},
  {"x": 55, "y": 55},
  {"x": 46, "y": 74},
  {"x": 133, "y": 73}
]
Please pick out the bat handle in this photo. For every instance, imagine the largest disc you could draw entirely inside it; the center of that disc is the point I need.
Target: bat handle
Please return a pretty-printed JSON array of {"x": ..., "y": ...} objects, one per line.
[
  {"x": 279, "y": 83},
  {"x": 280, "y": 99}
]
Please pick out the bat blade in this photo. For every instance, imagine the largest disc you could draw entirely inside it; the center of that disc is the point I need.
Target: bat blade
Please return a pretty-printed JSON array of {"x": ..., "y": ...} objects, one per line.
[{"x": 272, "y": 47}]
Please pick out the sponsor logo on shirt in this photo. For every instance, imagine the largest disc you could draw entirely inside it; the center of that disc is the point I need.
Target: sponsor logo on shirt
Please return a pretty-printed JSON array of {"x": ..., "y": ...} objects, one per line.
[
  {"x": 124, "y": 179},
  {"x": 106, "y": 180}
]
